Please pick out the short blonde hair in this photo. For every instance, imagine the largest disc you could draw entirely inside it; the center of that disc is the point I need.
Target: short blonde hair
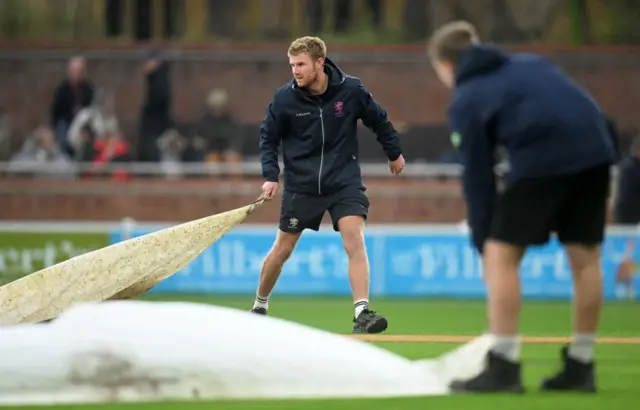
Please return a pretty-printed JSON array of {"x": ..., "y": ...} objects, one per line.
[
  {"x": 450, "y": 41},
  {"x": 314, "y": 46}
]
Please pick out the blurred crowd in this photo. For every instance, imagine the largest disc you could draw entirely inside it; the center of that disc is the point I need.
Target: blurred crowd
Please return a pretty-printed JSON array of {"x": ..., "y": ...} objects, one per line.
[
  {"x": 83, "y": 136},
  {"x": 83, "y": 129}
]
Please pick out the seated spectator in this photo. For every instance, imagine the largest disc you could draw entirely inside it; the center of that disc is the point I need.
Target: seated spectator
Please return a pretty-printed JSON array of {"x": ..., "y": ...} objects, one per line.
[
  {"x": 626, "y": 208},
  {"x": 111, "y": 148},
  {"x": 99, "y": 116},
  {"x": 171, "y": 146},
  {"x": 40, "y": 155},
  {"x": 86, "y": 138},
  {"x": 217, "y": 136},
  {"x": 196, "y": 147}
]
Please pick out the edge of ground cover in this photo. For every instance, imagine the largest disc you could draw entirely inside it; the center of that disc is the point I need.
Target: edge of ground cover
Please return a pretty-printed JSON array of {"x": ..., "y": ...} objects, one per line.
[{"x": 465, "y": 339}]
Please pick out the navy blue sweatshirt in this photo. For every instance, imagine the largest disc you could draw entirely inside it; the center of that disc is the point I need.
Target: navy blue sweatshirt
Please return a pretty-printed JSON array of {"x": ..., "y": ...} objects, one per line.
[
  {"x": 319, "y": 134},
  {"x": 548, "y": 124}
]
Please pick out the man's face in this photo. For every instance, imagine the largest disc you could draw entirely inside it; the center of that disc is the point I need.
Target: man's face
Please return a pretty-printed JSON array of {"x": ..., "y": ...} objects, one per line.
[
  {"x": 76, "y": 70},
  {"x": 46, "y": 139},
  {"x": 304, "y": 69},
  {"x": 150, "y": 65},
  {"x": 444, "y": 71}
]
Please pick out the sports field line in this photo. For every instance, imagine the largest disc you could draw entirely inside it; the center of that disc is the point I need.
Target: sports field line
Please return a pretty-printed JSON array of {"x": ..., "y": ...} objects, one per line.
[{"x": 464, "y": 339}]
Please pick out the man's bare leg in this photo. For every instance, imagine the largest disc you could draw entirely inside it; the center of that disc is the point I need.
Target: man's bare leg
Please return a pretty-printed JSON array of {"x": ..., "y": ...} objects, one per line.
[
  {"x": 352, "y": 232},
  {"x": 501, "y": 263},
  {"x": 587, "y": 302},
  {"x": 502, "y": 373},
  {"x": 272, "y": 267},
  {"x": 578, "y": 370}
]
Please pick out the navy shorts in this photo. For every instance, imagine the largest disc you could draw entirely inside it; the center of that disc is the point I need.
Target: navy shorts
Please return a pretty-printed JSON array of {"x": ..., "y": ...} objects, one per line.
[
  {"x": 572, "y": 206},
  {"x": 299, "y": 211}
]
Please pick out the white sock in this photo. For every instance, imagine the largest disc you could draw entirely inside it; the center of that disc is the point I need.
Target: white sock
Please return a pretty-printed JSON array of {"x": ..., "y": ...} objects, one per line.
[
  {"x": 582, "y": 347},
  {"x": 360, "y": 305},
  {"x": 507, "y": 347},
  {"x": 261, "y": 302}
]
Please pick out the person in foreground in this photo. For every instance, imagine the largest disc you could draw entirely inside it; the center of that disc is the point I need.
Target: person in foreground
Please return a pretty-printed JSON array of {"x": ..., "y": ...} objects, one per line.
[
  {"x": 315, "y": 118},
  {"x": 559, "y": 157}
]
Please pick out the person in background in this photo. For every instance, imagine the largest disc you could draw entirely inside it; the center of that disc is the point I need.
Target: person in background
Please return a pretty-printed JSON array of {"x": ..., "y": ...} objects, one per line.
[
  {"x": 109, "y": 150},
  {"x": 313, "y": 119},
  {"x": 40, "y": 155},
  {"x": 171, "y": 147},
  {"x": 99, "y": 116},
  {"x": 5, "y": 134},
  {"x": 73, "y": 94},
  {"x": 612, "y": 127},
  {"x": 626, "y": 209},
  {"x": 217, "y": 135},
  {"x": 156, "y": 116},
  {"x": 559, "y": 154}
]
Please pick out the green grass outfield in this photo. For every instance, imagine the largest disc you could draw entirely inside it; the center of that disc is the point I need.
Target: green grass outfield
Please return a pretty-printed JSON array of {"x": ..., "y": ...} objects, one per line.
[{"x": 618, "y": 364}]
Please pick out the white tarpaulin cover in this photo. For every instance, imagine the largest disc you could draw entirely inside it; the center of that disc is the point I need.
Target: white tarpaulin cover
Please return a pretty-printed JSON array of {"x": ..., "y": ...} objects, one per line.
[{"x": 147, "y": 351}]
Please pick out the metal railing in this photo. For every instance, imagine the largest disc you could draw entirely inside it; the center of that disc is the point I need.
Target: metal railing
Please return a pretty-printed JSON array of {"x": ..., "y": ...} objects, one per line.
[{"x": 248, "y": 168}]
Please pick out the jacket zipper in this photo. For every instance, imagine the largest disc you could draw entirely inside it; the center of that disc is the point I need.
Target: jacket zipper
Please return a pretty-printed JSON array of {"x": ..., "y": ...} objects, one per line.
[
  {"x": 321, "y": 153},
  {"x": 322, "y": 149}
]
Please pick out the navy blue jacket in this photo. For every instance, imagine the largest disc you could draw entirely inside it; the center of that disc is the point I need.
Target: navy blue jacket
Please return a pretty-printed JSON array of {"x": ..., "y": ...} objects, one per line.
[
  {"x": 547, "y": 124},
  {"x": 319, "y": 134}
]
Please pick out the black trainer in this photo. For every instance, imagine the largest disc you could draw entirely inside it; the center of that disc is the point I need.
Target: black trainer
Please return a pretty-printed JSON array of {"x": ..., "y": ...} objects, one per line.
[
  {"x": 499, "y": 376},
  {"x": 259, "y": 311},
  {"x": 369, "y": 321},
  {"x": 574, "y": 376}
]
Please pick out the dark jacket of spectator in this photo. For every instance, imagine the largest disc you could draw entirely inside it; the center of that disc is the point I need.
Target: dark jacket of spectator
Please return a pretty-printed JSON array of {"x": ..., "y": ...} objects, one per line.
[
  {"x": 626, "y": 209},
  {"x": 68, "y": 100},
  {"x": 156, "y": 111}
]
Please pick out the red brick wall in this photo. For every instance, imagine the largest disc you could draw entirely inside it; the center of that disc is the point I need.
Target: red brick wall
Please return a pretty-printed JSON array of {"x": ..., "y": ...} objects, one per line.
[
  {"x": 399, "y": 78},
  {"x": 391, "y": 201}
]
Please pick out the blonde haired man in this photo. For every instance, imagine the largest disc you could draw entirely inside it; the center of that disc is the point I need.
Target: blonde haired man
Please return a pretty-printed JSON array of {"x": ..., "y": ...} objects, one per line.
[
  {"x": 314, "y": 118},
  {"x": 559, "y": 154}
]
